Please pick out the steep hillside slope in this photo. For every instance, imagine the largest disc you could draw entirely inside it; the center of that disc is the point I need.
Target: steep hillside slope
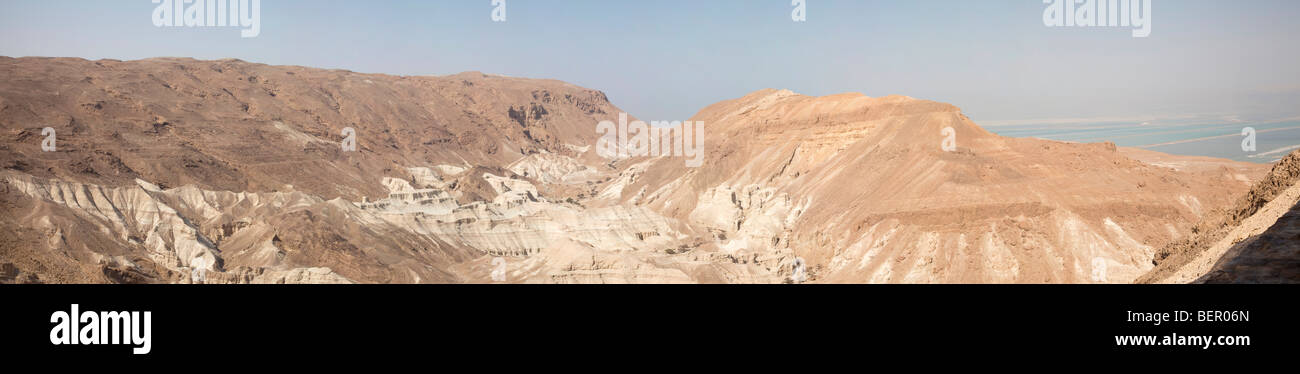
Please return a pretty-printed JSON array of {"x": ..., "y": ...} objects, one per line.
[
  {"x": 1272, "y": 257},
  {"x": 1231, "y": 240},
  {"x": 236, "y": 126}
]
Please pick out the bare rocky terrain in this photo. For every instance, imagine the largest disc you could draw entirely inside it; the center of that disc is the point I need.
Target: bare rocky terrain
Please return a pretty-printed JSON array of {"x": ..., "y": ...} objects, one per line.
[
  {"x": 1271, "y": 257},
  {"x": 167, "y": 167},
  {"x": 861, "y": 189},
  {"x": 1255, "y": 240}
]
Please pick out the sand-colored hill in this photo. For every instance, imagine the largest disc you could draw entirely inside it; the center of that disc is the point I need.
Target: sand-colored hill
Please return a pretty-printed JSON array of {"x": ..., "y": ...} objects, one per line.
[
  {"x": 168, "y": 167},
  {"x": 861, "y": 188},
  {"x": 237, "y": 126}
]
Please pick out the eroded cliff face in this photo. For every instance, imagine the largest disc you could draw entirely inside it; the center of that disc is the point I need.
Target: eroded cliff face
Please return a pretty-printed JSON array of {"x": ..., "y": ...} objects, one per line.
[
  {"x": 169, "y": 167},
  {"x": 863, "y": 189},
  {"x": 166, "y": 168},
  {"x": 414, "y": 235}
]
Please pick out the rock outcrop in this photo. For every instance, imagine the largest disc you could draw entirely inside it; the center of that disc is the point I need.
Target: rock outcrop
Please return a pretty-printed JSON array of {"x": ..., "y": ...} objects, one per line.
[{"x": 1252, "y": 241}]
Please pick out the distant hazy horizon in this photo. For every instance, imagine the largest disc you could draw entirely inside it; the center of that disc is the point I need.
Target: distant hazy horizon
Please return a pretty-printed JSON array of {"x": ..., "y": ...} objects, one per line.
[{"x": 1216, "y": 61}]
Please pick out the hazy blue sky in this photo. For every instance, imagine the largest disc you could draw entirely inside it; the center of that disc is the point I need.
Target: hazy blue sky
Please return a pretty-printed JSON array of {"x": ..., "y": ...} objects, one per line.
[{"x": 665, "y": 59}]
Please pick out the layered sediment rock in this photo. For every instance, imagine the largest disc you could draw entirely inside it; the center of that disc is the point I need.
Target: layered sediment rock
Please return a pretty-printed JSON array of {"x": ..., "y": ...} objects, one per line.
[{"x": 168, "y": 168}]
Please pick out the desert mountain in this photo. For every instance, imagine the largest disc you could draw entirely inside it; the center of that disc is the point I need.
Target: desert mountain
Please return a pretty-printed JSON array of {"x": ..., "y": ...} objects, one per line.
[
  {"x": 235, "y": 126},
  {"x": 169, "y": 167},
  {"x": 862, "y": 189},
  {"x": 165, "y": 167}
]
